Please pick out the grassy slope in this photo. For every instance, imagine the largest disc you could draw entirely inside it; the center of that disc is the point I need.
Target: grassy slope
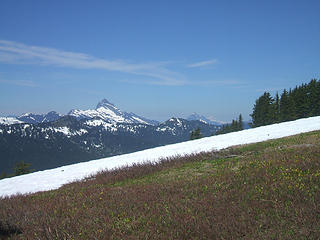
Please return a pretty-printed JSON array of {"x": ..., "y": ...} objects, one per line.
[{"x": 268, "y": 190}]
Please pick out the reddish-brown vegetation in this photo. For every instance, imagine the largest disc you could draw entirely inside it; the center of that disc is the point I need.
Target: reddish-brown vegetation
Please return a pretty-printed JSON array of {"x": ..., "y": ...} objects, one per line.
[{"x": 261, "y": 191}]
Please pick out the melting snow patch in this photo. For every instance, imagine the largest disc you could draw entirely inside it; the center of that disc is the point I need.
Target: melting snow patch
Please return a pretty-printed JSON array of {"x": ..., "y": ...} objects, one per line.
[
  {"x": 55, "y": 178},
  {"x": 64, "y": 130},
  {"x": 9, "y": 121},
  {"x": 82, "y": 131},
  {"x": 99, "y": 122},
  {"x": 139, "y": 120}
]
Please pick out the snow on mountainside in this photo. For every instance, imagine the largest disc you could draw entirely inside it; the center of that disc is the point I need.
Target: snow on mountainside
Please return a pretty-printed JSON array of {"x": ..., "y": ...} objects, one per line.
[
  {"x": 51, "y": 116},
  {"x": 69, "y": 141},
  {"x": 105, "y": 110},
  {"x": 110, "y": 113},
  {"x": 209, "y": 120},
  {"x": 180, "y": 126},
  {"x": 9, "y": 121},
  {"x": 39, "y": 118},
  {"x": 31, "y": 118},
  {"x": 55, "y": 178}
]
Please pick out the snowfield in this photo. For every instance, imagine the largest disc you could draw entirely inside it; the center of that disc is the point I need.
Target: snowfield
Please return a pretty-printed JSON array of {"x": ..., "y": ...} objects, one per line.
[
  {"x": 55, "y": 178},
  {"x": 9, "y": 121}
]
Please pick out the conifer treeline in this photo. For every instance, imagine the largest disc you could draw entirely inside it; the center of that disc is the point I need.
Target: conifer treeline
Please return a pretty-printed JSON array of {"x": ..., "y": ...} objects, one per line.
[
  {"x": 236, "y": 125},
  {"x": 303, "y": 101}
]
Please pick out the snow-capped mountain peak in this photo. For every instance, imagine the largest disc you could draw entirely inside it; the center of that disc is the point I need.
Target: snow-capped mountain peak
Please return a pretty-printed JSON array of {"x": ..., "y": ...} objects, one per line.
[
  {"x": 31, "y": 118},
  {"x": 39, "y": 118},
  {"x": 105, "y": 103},
  {"x": 208, "y": 120},
  {"x": 110, "y": 113},
  {"x": 51, "y": 116},
  {"x": 27, "y": 117},
  {"x": 26, "y": 114},
  {"x": 175, "y": 120}
]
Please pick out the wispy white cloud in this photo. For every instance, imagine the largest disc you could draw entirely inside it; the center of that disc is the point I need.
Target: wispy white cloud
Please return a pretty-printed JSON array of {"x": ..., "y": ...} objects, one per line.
[
  {"x": 24, "y": 83},
  {"x": 222, "y": 82},
  {"x": 18, "y": 53},
  {"x": 203, "y": 63}
]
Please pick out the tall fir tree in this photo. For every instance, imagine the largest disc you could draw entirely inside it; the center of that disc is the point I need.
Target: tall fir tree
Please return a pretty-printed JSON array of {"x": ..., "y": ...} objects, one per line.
[
  {"x": 287, "y": 106},
  {"x": 263, "y": 111},
  {"x": 22, "y": 168},
  {"x": 240, "y": 122},
  {"x": 276, "y": 117},
  {"x": 3, "y": 175},
  {"x": 196, "y": 134},
  {"x": 314, "y": 98},
  {"x": 236, "y": 125}
]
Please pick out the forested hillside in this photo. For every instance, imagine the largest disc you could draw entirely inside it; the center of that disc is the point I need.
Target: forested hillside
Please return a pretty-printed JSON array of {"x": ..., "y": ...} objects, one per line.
[
  {"x": 68, "y": 140},
  {"x": 300, "y": 102}
]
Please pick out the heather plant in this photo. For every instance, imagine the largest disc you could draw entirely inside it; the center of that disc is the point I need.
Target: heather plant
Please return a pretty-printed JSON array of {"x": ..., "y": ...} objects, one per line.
[{"x": 267, "y": 190}]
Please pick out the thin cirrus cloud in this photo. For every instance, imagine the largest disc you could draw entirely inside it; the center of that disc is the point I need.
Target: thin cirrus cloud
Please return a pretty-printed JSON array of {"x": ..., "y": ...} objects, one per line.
[
  {"x": 203, "y": 63},
  {"x": 23, "y": 83},
  {"x": 18, "y": 53},
  {"x": 223, "y": 82}
]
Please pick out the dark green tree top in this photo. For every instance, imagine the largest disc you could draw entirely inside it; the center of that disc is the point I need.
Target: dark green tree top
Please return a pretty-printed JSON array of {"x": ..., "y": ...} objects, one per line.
[
  {"x": 196, "y": 134},
  {"x": 22, "y": 168}
]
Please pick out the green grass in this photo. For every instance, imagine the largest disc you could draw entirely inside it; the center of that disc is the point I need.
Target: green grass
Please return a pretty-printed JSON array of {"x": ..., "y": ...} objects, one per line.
[{"x": 268, "y": 190}]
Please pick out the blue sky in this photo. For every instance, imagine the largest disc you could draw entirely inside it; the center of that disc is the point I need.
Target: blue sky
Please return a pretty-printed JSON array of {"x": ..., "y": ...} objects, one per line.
[{"x": 155, "y": 58}]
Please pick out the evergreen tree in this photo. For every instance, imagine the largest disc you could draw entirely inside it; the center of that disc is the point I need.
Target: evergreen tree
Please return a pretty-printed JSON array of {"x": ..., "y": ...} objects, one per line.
[
  {"x": 302, "y": 101},
  {"x": 196, "y": 134},
  {"x": 314, "y": 98},
  {"x": 192, "y": 135},
  {"x": 263, "y": 111},
  {"x": 240, "y": 122},
  {"x": 236, "y": 125},
  {"x": 3, "y": 175},
  {"x": 22, "y": 168},
  {"x": 287, "y": 107},
  {"x": 276, "y": 117}
]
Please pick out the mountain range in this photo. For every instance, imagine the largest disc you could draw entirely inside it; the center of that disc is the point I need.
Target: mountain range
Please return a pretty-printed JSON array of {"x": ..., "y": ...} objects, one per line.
[
  {"x": 31, "y": 118},
  {"x": 52, "y": 140},
  {"x": 104, "y": 110},
  {"x": 39, "y": 118}
]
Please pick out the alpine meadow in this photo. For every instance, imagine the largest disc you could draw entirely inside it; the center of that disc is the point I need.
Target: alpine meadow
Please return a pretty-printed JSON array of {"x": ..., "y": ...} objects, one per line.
[{"x": 159, "y": 119}]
